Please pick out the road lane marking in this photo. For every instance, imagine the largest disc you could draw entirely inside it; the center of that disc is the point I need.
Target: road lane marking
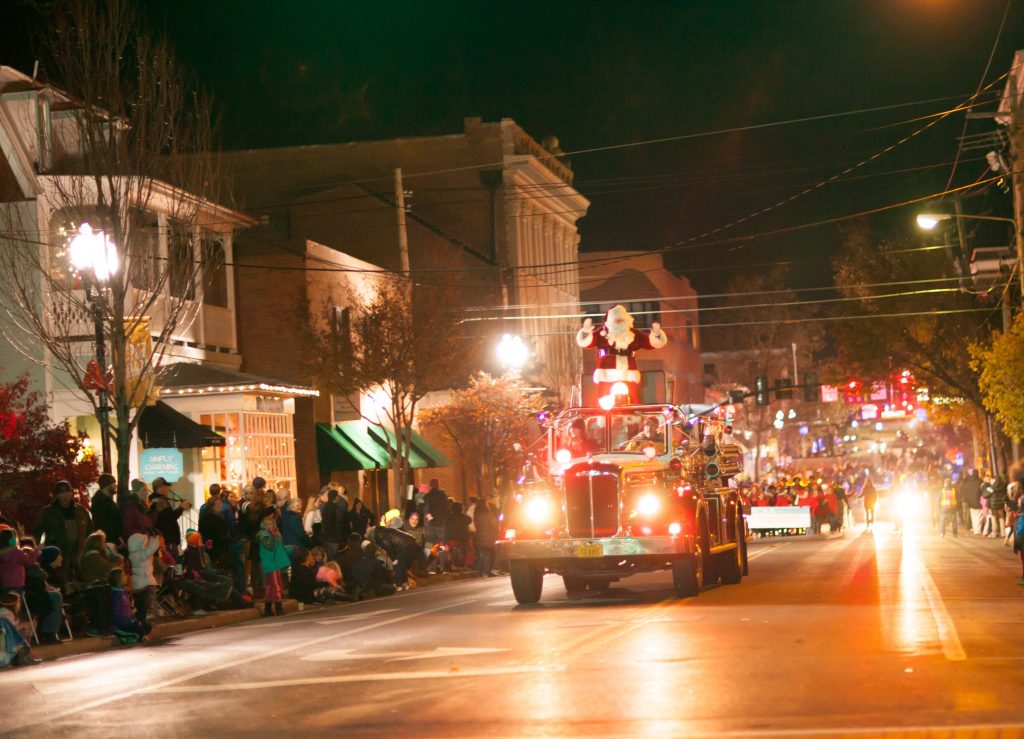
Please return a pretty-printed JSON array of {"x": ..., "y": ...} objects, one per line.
[
  {"x": 771, "y": 548},
  {"x": 948, "y": 636},
  {"x": 367, "y": 677},
  {"x": 356, "y": 617},
  {"x": 165, "y": 684},
  {"x": 338, "y": 655}
]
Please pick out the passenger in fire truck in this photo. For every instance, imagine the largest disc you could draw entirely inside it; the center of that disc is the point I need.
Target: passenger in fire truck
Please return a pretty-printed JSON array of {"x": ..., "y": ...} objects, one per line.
[{"x": 579, "y": 444}]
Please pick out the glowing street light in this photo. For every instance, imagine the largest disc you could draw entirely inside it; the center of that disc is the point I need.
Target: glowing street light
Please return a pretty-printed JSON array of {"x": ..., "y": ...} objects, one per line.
[
  {"x": 92, "y": 253},
  {"x": 929, "y": 220},
  {"x": 94, "y": 258},
  {"x": 512, "y": 352}
]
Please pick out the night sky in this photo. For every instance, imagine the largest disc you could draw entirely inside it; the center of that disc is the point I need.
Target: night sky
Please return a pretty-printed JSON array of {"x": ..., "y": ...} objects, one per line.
[{"x": 601, "y": 73}]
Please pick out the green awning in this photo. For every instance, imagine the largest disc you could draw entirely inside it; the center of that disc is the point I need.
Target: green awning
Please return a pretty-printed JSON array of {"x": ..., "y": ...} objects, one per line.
[
  {"x": 421, "y": 455},
  {"x": 336, "y": 452},
  {"x": 356, "y": 445}
]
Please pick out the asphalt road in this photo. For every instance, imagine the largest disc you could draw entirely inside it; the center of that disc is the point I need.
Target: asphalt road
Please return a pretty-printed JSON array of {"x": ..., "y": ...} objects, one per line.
[{"x": 866, "y": 633}]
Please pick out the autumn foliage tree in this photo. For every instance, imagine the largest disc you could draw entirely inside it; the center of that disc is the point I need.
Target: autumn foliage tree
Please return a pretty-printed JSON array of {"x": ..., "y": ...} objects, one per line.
[
  {"x": 483, "y": 422},
  {"x": 35, "y": 453},
  {"x": 1001, "y": 377},
  {"x": 393, "y": 349}
]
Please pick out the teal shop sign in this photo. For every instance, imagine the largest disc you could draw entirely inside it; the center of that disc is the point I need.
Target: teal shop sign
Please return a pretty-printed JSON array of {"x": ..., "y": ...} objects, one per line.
[{"x": 166, "y": 463}]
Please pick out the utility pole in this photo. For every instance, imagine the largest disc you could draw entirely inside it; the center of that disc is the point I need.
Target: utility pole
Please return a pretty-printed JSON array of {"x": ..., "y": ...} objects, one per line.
[{"x": 403, "y": 235}]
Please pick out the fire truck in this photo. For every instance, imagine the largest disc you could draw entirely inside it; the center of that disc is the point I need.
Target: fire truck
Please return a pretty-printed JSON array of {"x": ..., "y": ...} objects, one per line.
[{"x": 625, "y": 490}]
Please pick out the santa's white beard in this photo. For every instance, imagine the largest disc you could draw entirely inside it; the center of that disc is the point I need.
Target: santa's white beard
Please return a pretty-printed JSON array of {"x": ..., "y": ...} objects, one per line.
[{"x": 620, "y": 339}]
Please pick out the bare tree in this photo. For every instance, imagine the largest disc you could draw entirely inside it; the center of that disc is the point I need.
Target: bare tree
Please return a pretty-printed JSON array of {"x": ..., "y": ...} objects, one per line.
[
  {"x": 393, "y": 350},
  {"x": 129, "y": 154}
]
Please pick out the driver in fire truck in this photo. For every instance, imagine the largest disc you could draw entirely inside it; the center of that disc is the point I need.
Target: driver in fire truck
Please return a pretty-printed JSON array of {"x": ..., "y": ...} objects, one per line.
[{"x": 650, "y": 435}]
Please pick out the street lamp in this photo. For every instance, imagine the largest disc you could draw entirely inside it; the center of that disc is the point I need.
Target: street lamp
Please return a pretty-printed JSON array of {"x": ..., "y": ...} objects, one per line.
[
  {"x": 94, "y": 257},
  {"x": 512, "y": 353},
  {"x": 928, "y": 222}
]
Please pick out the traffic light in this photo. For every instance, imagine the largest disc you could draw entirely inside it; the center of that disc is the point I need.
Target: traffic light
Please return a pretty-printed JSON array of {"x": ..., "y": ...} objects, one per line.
[
  {"x": 783, "y": 389},
  {"x": 812, "y": 390},
  {"x": 761, "y": 390}
]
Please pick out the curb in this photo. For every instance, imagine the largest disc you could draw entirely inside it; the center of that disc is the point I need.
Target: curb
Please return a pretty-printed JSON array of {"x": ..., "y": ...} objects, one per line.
[{"x": 187, "y": 625}]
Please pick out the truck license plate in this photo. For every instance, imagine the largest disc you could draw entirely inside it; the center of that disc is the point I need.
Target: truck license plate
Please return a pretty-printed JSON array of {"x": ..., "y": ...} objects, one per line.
[{"x": 589, "y": 550}]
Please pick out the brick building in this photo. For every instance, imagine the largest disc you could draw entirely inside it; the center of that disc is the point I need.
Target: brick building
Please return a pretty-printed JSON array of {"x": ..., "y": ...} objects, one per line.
[{"x": 485, "y": 208}]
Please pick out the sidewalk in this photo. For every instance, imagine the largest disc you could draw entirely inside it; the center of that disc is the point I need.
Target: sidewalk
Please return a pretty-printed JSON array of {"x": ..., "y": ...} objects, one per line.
[{"x": 165, "y": 629}]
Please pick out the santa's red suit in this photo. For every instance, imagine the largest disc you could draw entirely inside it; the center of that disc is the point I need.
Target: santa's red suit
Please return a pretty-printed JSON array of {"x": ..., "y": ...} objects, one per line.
[{"x": 617, "y": 344}]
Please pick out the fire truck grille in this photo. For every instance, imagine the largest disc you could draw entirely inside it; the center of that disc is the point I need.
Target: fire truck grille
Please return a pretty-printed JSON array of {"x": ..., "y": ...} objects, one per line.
[{"x": 592, "y": 503}]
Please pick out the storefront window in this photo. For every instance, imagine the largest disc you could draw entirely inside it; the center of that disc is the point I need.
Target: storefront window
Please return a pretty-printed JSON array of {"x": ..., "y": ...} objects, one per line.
[{"x": 255, "y": 444}]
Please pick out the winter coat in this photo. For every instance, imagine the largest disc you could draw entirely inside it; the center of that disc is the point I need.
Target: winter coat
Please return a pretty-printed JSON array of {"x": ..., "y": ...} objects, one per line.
[
  {"x": 141, "y": 548},
  {"x": 273, "y": 555},
  {"x": 106, "y": 516},
  {"x": 134, "y": 517},
  {"x": 359, "y": 520},
  {"x": 51, "y": 525},
  {"x": 213, "y": 529},
  {"x": 486, "y": 527},
  {"x": 167, "y": 525},
  {"x": 418, "y": 533},
  {"x": 333, "y": 514},
  {"x": 970, "y": 492},
  {"x": 292, "y": 532},
  {"x": 120, "y": 608},
  {"x": 303, "y": 583},
  {"x": 94, "y": 565},
  {"x": 394, "y": 541},
  {"x": 13, "y": 562},
  {"x": 457, "y": 527},
  {"x": 437, "y": 505}
]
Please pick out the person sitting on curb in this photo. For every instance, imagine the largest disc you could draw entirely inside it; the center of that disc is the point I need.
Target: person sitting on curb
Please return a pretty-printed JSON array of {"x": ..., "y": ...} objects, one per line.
[
  {"x": 127, "y": 628},
  {"x": 370, "y": 575},
  {"x": 14, "y": 560},
  {"x": 204, "y": 584},
  {"x": 14, "y": 650},
  {"x": 42, "y": 595},
  {"x": 401, "y": 548},
  {"x": 330, "y": 586}
]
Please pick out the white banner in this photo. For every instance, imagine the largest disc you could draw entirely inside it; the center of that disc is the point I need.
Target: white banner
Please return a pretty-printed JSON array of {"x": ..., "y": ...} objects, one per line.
[{"x": 779, "y": 517}]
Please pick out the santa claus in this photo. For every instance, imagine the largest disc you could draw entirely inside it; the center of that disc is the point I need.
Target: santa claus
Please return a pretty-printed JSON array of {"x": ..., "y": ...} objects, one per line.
[{"x": 617, "y": 344}]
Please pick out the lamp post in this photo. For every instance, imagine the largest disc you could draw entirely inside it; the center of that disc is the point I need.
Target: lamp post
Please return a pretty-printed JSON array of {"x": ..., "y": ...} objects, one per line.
[
  {"x": 928, "y": 222},
  {"x": 95, "y": 259}
]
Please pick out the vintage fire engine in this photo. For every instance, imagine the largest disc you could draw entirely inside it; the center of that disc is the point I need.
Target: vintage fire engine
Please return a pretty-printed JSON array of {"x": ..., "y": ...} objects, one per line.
[{"x": 629, "y": 489}]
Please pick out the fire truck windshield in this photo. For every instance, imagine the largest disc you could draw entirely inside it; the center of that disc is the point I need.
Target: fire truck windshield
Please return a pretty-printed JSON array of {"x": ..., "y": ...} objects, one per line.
[{"x": 583, "y": 432}]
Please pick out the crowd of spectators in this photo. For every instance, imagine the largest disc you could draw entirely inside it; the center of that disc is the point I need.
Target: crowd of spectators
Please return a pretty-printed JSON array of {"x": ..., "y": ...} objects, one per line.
[{"x": 107, "y": 567}]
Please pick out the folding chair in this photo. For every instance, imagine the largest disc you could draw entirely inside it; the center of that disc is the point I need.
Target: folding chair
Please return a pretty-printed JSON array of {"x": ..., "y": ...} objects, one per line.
[
  {"x": 28, "y": 617},
  {"x": 167, "y": 599},
  {"x": 65, "y": 618}
]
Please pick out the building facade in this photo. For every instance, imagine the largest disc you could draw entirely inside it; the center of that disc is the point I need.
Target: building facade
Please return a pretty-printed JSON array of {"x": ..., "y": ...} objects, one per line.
[{"x": 651, "y": 294}]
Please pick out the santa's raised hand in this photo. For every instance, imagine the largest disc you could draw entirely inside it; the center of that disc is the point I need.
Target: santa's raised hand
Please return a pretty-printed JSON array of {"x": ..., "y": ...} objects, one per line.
[
  {"x": 585, "y": 334},
  {"x": 658, "y": 337}
]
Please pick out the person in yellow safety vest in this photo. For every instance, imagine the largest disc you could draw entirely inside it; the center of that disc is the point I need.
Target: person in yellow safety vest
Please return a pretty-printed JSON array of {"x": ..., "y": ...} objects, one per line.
[{"x": 949, "y": 506}]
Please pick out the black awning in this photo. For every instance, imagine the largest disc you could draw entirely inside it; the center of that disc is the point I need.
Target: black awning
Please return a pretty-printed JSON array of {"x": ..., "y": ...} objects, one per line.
[{"x": 160, "y": 426}]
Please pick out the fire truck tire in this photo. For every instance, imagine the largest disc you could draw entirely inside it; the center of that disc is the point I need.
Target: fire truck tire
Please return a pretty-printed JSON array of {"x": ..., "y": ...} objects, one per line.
[
  {"x": 731, "y": 568},
  {"x": 689, "y": 571},
  {"x": 574, "y": 583},
  {"x": 527, "y": 581}
]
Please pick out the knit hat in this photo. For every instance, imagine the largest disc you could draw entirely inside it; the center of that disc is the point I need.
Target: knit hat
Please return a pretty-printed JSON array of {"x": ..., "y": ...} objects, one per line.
[
  {"x": 387, "y": 517},
  {"x": 194, "y": 539},
  {"x": 259, "y": 482},
  {"x": 49, "y": 555},
  {"x": 105, "y": 479},
  {"x": 139, "y": 487}
]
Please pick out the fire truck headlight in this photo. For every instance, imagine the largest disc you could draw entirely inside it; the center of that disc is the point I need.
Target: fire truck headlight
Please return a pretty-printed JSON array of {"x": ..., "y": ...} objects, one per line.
[
  {"x": 563, "y": 456},
  {"x": 674, "y": 528},
  {"x": 648, "y": 504},
  {"x": 538, "y": 510}
]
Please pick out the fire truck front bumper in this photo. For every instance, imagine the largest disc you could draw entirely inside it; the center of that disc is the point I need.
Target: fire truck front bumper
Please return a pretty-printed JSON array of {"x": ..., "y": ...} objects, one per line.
[{"x": 583, "y": 549}]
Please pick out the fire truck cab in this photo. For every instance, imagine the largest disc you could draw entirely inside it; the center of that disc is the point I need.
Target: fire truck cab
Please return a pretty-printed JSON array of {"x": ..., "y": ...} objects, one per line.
[{"x": 627, "y": 490}]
